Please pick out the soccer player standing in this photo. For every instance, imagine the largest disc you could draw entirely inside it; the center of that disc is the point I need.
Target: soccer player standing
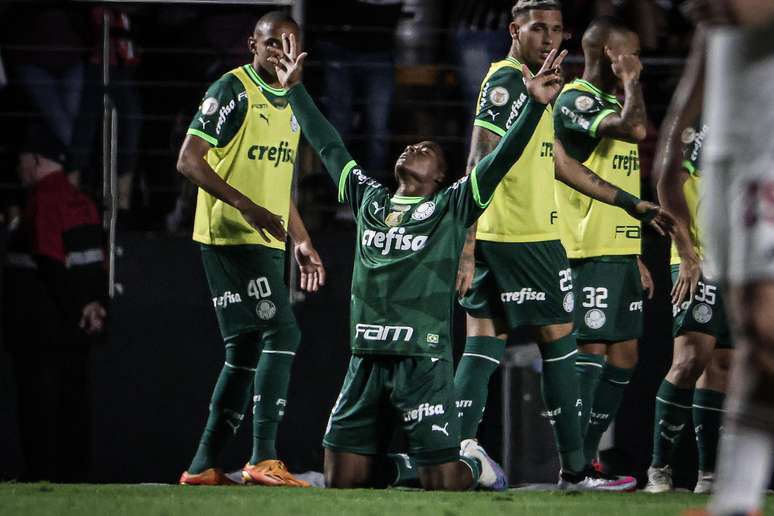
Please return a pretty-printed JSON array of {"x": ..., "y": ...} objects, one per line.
[
  {"x": 603, "y": 245},
  {"x": 738, "y": 166},
  {"x": 240, "y": 151},
  {"x": 407, "y": 252},
  {"x": 514, "y": 271},
  {"x": 696, "y": 382}
]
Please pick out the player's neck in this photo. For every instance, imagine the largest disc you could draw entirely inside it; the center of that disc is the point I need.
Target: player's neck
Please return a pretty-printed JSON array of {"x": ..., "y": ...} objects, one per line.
[
  {"x": 263, "y": 74},
  {"x": 592, "y": 73},
  {"x": 515, "y": 53},
  {"x": 409, "y": 188}
]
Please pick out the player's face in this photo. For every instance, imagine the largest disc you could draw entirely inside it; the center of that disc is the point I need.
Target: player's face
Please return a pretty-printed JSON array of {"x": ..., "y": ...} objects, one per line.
[
  {"x": 538, "y": 33},
  {"x": 621, "y": 44},
  {"x": 423, "y": 162},
  {"x": 269, "y": 35}
]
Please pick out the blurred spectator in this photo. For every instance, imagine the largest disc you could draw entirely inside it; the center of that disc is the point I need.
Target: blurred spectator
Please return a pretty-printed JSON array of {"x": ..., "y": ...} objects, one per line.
[
  {"x": 50, "y": 65},
  {"x": 53, "y": 306},
  {"x": 355, "y": 40},
  {"x": 123, "y": 92},
  {"x": 479, "y": 29}
]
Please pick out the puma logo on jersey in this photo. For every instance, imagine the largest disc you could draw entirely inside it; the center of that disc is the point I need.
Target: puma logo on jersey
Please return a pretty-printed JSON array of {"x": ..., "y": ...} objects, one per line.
[
  {"x": 436, "y": 428},
  {"x": 264, "y": 117},
  {"x": 395, "y": 239},
  {"x": 377, "y": 208},
  {"x": 492, "y": 114},
  {"x": 204, "y": 122}
]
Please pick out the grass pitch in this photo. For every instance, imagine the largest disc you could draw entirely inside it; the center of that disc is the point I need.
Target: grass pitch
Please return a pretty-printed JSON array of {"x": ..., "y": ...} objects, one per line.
[{"x": 167, "y": 500}]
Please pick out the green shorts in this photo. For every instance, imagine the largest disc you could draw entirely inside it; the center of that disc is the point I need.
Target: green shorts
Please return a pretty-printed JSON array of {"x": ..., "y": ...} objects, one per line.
[
  {"x": 609, "y": 295},
  {"x": 381, "y": 393},
  {"x": 247, "y": 283},
  {"x": 705, "y": 313},
  {"x": 527, "y": 284}
]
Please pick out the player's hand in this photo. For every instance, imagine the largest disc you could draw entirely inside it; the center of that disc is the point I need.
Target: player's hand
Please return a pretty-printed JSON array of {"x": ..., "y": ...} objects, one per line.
[
  {"x": 545, "y": 85},
  {"x": 654, "y": 215},
  {"x": 687, "y": 279},
  {"x": 465, "y": 272},
  {"x": 647, "y": 280},
  {"x": 93, "y": 318},
  {"x": 263, "y": 220},
  {"x": 626, "y": 67},
  {"x": 310, "y": 265},
  {"x": 288, "y": 63}
]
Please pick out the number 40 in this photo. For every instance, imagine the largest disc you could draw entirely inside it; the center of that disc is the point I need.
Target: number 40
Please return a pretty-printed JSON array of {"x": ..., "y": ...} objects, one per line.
[{"x": 259, "y": 288}]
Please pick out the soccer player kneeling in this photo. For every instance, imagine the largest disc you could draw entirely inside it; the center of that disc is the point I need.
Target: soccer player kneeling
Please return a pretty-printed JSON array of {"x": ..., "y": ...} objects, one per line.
[{"x": 408, "y": 248}]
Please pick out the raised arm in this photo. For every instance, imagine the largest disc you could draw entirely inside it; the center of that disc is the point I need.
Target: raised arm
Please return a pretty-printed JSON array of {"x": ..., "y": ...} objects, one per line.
[
  {"x": 631, "y": 124},
  {"x": 320, "y": 134},
  {"x": 542, "y": 89}
]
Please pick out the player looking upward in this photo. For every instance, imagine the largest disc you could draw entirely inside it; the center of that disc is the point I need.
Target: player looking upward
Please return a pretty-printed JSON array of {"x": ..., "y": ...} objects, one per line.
[
  {"x": 407, "y": 252},
  {"x": 593, "y": 128},
  {"x": 514, "y": 271},
  {"x": 240, "y": 151}
]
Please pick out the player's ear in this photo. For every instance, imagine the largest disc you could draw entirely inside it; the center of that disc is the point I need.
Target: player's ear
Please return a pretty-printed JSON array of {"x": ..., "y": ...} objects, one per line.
[
  {"x": 513, "y": 28},
  {"x": 251, "y": 42}
]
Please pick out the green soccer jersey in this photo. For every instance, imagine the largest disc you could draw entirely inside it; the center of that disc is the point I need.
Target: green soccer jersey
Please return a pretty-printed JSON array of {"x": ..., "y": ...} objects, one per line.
[
  {"x": 407, "y": 248},
  {"x": 693, "y": 140}
]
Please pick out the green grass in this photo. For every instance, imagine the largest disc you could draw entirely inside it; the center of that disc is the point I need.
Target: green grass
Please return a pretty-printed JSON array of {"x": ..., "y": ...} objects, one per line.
[{"x": 144, "y": 500}]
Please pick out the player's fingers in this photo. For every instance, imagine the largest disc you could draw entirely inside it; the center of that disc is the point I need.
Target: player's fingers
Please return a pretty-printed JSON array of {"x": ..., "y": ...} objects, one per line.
[
  {"x": 655, "y": 225},
  {"x": 263, "y": 235},
  {"x": 300, "y": 58},
  {"x": 321, "y": 271},
  {"x": 560, "y": 58},
  {"x": 285, "y": 43},
  {"x": 292, "y": 46},
  {"x": 304, "y": 281},
  {"x": 548, "y": 63},
  {"x": 525, "y": 71}
]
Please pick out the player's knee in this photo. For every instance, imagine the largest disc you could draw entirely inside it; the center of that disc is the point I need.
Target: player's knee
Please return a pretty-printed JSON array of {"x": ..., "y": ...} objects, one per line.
[
  {"x": 552, "y": 332},
  {"x": 687, "y": 369},
  {"x": 242, "y": 352},
  {"x": 284, "y": 338},
  {"x": 757, "y": 326}
]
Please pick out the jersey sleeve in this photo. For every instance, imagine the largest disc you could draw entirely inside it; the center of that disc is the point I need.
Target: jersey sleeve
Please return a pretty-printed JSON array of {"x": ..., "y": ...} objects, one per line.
[
  {"x": 472, "y": 194},
  {"x": 221, "y": 112},
  {"x": 578, "y": 112},
  {"x": 501, "y": 100},
  {"x": 352, "y": 183},
  {"x": 693, "y": 141}
]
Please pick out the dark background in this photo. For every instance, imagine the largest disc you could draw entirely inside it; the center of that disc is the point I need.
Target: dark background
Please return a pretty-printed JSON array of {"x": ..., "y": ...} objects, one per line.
[{"x": 154, "y": 374}]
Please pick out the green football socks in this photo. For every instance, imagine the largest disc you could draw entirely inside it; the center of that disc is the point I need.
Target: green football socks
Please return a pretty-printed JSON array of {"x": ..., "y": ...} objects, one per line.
[
  {"x": 589, "y": 368},
  {"x": 560, "y": 394},
  {"x": 229, "y": 401},
  {"x": 707, "y": 418},
  {"x": 271, "y": 389},
  {"x": 673, "y": 408},
  {"x": 607, "y": 399},
  {"x": 480, "y": 359}
]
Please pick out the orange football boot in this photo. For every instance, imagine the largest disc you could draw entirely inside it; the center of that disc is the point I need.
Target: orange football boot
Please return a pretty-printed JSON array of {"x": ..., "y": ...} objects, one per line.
[
  {"x": 208, "y": 477},
  {"x": 271, "y": 472}
]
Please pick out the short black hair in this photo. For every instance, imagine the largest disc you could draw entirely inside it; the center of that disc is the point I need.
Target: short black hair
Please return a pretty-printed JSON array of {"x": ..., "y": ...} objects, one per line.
[
  {"x": 275, "y": 17},
  {"x": 599, "y": 30},
  {"x": 609, "y": 23},
  {"x": 524, "y": 6}
]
